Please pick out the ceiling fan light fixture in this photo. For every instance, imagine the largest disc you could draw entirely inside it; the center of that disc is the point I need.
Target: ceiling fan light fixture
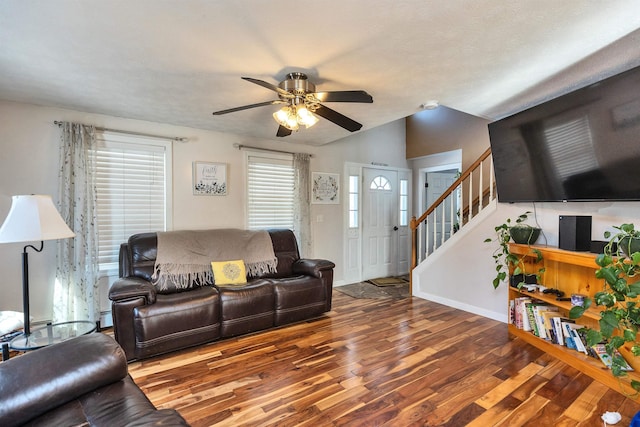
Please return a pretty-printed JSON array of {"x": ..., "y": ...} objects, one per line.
[
  {"x": 293, "y": 116},
  {"x": 286, "y": 117},
  {"x": 303, "y": 105},
  {"x": 306, "y": 117}
]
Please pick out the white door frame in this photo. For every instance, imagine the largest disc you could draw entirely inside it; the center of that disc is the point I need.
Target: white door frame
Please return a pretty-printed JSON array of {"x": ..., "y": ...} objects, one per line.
[
  {"x": 352, "y": 256},
  {"x": 432, "y": 163}
]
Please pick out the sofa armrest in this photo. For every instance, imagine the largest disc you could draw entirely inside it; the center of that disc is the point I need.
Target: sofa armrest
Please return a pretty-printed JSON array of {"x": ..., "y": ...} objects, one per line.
[
  {"x": 127, "y": 288},
  {"x": 312, "y": 267},
  {"x": 42, "y": 380}
]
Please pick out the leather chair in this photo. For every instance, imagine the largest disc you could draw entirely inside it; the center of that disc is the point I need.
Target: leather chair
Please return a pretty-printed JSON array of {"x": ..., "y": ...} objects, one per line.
[{"x": 81, "y": 381}]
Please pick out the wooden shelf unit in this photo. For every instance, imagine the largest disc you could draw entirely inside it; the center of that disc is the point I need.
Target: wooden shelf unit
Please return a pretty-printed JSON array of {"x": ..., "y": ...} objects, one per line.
[{"x": 571, "y": 272}]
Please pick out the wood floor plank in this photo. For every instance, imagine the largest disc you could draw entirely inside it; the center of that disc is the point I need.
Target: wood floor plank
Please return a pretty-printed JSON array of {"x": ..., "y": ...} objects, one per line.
[
  {"x": 406, "y": 362},
  {"x": 508, "y": 386}
]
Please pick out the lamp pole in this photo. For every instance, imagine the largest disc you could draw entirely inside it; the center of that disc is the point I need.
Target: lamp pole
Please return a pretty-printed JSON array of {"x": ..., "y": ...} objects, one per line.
[{"x": 25, "y": 285}]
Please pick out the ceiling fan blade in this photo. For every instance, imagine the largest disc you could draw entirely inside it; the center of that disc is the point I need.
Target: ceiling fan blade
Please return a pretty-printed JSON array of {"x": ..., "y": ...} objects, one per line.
[
  {"x": 283, "y": 131},
  {"x": 246, "y": 107},
  {"x": 344, "y": 96},
  {"x": 337, "y": 118},
  {"x": 270, "y": 86}
]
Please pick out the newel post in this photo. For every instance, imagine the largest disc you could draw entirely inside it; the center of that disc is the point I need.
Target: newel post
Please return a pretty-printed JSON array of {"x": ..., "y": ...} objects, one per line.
[{"x": 414, "y": 251}]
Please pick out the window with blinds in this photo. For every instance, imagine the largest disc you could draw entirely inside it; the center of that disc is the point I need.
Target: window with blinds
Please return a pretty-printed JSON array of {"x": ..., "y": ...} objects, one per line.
[
  {"x": 132, "y": 176},
  {"x": 270, "y": 181}
]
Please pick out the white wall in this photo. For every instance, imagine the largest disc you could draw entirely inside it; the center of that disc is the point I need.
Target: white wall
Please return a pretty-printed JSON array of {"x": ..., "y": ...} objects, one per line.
[
  {"x": 29, "y": 165},
  {"x": 460, "y": 274}
]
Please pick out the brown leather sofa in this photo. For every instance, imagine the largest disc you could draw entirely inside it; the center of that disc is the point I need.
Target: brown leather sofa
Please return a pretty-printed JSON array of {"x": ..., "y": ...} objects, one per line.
[
  {"x": 147, "y": 322},
  {"x": 82, "y": 381}
]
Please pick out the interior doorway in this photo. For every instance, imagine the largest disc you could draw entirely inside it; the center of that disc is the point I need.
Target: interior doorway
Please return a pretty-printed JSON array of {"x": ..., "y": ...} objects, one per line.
[{"x": 436, "y": 183}]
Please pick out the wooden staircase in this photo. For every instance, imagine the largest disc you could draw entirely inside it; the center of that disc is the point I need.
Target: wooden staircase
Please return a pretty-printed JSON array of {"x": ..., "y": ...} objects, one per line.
[{"x": 456, "y": 207}]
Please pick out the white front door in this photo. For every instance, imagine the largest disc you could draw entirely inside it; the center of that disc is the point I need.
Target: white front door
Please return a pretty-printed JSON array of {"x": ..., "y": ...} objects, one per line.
[{"x": 379, "y": 223}]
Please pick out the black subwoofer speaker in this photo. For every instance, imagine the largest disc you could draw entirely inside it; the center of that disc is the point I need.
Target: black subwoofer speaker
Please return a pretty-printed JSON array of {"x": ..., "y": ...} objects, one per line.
[{"x": 574, "y": 233}]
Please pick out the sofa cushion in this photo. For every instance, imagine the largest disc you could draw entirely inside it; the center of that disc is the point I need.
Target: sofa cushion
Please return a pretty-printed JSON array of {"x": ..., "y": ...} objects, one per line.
[
  {"x": 246, "y": 308},
  {"x": 177, "y": 321},
  {"x": 143, "y": 249},
  {"x": 298, "y": 298},
  {"x": 285, "y": 247}
]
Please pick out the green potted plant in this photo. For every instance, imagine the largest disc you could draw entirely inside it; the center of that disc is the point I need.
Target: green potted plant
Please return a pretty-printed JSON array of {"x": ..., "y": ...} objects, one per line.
[
  {"x": 619, "y": 267},
  {"x": 504, "y": 259}
]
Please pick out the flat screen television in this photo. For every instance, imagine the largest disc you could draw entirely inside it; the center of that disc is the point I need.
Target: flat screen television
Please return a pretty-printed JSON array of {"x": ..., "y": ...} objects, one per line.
[{"x": 582, "y": 146}]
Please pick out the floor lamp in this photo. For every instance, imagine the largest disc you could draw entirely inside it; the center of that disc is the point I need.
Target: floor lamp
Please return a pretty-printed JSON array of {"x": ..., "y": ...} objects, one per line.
[{"x": 32, "y": 218}]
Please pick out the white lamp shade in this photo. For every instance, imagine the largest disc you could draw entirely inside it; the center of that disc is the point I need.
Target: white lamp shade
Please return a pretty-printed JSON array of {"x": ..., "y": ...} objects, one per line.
[{"x": 33, "y": 218}]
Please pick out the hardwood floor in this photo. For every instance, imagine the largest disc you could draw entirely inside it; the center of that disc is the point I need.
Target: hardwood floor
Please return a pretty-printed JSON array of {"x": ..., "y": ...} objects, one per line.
[{"x": 385, "y": 362}]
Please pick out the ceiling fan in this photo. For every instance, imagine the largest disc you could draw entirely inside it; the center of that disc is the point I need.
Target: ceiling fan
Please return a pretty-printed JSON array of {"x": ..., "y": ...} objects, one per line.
[{"x": 303, "y": 103}]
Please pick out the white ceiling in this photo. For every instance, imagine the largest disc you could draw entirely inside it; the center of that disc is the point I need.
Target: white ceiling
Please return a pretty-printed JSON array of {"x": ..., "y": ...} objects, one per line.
[{"x": 177, "y": 61}]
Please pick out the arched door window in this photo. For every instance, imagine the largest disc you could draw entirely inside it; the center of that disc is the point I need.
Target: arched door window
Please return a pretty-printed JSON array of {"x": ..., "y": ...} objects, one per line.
[{"x": 380, "y": 183}]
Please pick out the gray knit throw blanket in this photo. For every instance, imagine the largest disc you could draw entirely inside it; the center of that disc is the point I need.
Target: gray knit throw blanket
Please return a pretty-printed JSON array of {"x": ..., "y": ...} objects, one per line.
[{"x": 185, "y": 256}]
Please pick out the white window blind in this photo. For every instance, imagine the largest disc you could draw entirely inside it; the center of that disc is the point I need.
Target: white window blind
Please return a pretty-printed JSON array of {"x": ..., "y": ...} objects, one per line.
[
  {"x": 270, "y": 180},
  {"x": 132, "y": 176}
]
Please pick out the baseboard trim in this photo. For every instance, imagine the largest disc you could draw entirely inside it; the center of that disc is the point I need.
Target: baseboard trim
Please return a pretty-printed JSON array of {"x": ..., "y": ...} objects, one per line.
[{"x": 499, "y": 316}]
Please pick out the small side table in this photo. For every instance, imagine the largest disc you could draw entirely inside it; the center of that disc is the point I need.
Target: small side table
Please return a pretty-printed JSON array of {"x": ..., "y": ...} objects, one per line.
[{"x": 52, "y": 334}]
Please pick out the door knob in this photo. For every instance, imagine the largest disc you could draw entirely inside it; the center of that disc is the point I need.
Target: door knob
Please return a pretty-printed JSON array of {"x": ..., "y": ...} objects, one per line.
[{"x": 395, "y": 228}]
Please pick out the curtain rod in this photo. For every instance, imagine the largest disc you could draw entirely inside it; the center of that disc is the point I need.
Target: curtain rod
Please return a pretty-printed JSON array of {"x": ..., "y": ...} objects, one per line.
[
  {"x": 172, "y": 138},
  {"x": 241, "y": 146}
]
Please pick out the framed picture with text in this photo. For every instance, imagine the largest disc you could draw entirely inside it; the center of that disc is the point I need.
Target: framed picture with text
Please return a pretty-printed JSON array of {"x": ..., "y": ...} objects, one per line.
[
  {"x": 325, "y": 188},
  {"x": 209, "y": 179}
]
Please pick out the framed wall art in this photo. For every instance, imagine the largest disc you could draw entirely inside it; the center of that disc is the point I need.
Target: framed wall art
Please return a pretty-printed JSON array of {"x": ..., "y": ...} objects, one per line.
[
  {"x": 325, "y": 188},
  {"x": 209, "y": 179}
]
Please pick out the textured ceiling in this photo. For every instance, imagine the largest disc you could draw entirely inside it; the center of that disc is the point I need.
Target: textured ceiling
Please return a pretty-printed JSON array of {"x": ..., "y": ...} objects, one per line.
[{"x": 177, "y": 61}]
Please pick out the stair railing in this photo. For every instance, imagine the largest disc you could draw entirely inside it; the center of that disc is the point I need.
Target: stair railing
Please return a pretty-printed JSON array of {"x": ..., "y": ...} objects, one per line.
[{"x": 465, "y": 198}]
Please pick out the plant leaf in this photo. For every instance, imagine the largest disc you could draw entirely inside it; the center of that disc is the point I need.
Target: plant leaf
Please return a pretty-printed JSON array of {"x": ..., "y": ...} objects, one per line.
[
  {"x": 635, "y": 287},
  {"x": 593, "y": 337},
  {"x": 576, "y": 312},
  {"x": 609, "y": 274},
  {"x": 618, "y": 365},
  {"x": 615, "y": 342},
  {"x": 603, "y": 260},
  {"x": 604, "y": 298},
  {"x": 629, "y": 335},
  {"x": 608, "y": 322}
]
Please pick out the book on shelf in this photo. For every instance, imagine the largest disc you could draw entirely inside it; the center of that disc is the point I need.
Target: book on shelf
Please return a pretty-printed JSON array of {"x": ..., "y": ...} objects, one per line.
[
  {"x": 535, "y": 312},
  {"x": 547, "y": 318},
  {"x": 567, "y": 326},
  {"x": 531, "y": 318},
  {"x": 558, "y": 334},
  {"x": 577, "y": 340},
  {"x": 575, "y": 337},
  {"x": 601, "y": 352},
  {"x": 521, "y": 321},
  {"x": 512, "y": 312}
]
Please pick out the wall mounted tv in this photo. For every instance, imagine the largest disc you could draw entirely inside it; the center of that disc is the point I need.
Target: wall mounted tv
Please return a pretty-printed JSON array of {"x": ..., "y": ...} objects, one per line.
[{"x": 582, "y": 146}]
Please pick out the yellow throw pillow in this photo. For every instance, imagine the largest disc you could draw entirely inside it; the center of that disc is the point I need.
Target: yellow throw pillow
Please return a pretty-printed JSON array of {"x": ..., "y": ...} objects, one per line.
[{"x": 229, "y": 272}]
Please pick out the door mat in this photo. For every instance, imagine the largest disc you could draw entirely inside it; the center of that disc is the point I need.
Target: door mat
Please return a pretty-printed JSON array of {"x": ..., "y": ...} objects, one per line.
[
  {"x": 388, "y": 281},
  {"x": 370, "y": 291}
]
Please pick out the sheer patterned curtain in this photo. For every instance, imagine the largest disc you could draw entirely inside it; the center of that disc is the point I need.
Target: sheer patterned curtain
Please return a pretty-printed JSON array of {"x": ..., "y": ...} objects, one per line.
[
  {"x": 301, "y": 206},
  {"x": 76, "y": 295}
]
